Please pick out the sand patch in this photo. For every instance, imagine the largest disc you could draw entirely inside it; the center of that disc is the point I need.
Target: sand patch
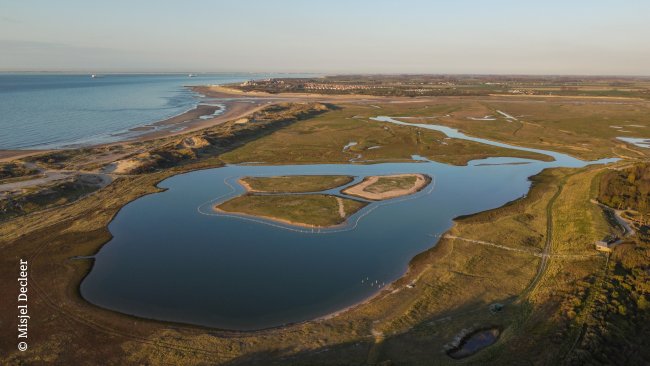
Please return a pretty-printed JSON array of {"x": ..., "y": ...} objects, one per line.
[{"x": 379, "y": 187}]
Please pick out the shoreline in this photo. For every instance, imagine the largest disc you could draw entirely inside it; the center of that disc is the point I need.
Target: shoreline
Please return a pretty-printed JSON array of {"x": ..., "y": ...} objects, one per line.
[
  {"x": 188, "y": 121},
  {"x": 191, "y": 120}
]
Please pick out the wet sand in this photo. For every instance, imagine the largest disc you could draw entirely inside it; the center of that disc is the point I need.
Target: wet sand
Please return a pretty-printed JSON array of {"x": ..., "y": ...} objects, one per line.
[
  {"x": 192, "y": 121},
  {"x": 8, "y": 155}
]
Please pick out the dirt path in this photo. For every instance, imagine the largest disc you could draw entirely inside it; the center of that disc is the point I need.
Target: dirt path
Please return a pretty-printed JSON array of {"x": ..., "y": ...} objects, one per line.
[
  {"x": 46, "y": 176},
  {"x": 493, "y": 245},
  {"x": 50, "y": 176},
  {"x": 627, "y": 229},
  {"x": 507, "y": 116},
  {"x": 531, "y": 252},
  {"x": 339, "y": 200},
  {"x": 548, "y": 245}
]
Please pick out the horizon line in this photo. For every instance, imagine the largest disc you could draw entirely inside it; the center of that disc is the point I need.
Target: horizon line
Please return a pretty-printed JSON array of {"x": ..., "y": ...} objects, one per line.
[{"x": 115, "y": 72}]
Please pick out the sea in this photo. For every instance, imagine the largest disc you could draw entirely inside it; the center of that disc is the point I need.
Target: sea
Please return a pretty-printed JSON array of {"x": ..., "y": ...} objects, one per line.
[{"x": 52, "y": 110}]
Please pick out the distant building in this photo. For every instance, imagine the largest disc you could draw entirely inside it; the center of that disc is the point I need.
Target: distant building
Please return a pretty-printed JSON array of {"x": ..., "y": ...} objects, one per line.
[{"x": 602, "y": 246}]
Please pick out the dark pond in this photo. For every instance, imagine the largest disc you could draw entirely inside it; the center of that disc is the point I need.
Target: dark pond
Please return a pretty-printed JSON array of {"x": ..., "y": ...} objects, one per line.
[{"x": 475, "y": 342}]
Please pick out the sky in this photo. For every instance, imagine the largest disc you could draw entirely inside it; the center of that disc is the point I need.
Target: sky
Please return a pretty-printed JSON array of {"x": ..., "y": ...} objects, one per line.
[{"x": 577, "y": 37}]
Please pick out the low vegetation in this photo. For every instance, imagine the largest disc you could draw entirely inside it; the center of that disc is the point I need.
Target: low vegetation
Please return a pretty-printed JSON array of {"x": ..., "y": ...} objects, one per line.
[
  {"x": 32, "y": 199},
  {"x": 149, "y": 156},
  {"x": 213, "y": 140},
  {"x": 295, "y": 183},
  {"x": 12, "y": 170},
  {"x": 322, "y": 140},
  {"x": 312, "y": 210},
  {"x": 628, "y": 189},
  {"x": 609, "y": 315},
  {"x": 584, "y": 129},
  {"x": 385, "y": 184},
  {"x": 388, "y": 186}
]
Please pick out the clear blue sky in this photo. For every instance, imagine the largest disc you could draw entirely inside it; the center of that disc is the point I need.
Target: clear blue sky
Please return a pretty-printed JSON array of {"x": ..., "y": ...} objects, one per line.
[{"x": 406, "y": 36}]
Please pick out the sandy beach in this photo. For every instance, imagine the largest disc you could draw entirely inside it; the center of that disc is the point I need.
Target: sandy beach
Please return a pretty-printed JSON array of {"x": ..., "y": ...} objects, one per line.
[
  {"x": 359, "y": 190},
  {"x": 191, "y": 120},
  {"x": 188, "y": 121}
]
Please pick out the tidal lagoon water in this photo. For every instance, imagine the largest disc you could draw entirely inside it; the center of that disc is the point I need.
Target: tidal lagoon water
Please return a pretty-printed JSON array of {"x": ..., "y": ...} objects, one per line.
[
  {"x": 173, "y": 259},
  {"x": 40, "y": 111}
]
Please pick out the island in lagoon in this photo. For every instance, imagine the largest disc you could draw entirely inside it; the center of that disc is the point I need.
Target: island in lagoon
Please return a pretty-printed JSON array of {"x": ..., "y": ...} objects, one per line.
[{"x": 378, "y": 188}]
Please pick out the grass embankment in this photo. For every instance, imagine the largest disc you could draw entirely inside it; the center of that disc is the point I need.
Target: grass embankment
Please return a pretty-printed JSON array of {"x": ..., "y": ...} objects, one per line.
[
  {"x": 388, "y": 186},
  {"x": 295, "y": 183},
  {"x": 311, "y": 210},
  {"x": 608, "y": 316},
  {"x": 322, "y": 140}
]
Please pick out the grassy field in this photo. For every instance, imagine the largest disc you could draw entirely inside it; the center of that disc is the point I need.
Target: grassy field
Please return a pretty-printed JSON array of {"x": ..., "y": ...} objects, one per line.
[
  {"x": 296, "y": 183},
  {"x": 384, "y": 184},
  {"x": 322, "y": 140},
  {"x": 313, "y": 210},
  {"x": 584, "y": 129}
]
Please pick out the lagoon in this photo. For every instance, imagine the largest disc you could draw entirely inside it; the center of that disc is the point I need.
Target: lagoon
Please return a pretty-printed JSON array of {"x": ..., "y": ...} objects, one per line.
[{"x": 173, "y": 259}]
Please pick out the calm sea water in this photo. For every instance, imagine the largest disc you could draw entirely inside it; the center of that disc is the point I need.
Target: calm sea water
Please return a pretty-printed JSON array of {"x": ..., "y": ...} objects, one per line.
[
  {"x": 57, "y": 110},
  {"x": 172, "y": 258}
]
